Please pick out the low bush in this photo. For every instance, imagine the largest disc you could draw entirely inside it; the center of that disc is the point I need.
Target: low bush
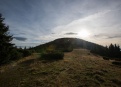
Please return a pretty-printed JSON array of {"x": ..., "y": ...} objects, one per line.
[
  {"x": 69, "y": 49},
  {"x": 54, "y": 55},
  {"x": 16, "y": 54},
  {"x": 105, "y": 58},
  {"x": 12, "y": 54},
  {"x": 25, "y": 52}
]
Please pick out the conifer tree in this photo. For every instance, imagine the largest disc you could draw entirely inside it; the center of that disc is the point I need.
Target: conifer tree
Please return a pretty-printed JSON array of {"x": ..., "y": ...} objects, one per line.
[{"x": 5, "y": 42}]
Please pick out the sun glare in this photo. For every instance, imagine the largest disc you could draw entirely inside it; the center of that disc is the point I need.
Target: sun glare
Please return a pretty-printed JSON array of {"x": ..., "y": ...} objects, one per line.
[{"x": 84, "y": 34}]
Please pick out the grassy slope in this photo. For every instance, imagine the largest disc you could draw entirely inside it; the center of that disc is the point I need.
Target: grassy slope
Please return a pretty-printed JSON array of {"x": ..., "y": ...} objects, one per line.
[{"x": 79, "y": 68}]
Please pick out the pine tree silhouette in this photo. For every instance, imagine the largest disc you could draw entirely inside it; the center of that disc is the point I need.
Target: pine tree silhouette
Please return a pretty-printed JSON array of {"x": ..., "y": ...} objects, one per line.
[{"x": 5, "y": 41}]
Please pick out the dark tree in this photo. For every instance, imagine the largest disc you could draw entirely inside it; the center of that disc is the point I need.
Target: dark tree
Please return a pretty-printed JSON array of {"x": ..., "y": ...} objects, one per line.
[
  {"x": 8, "y": 52},
  {"x": 117, "y": 51},
  {"x": 5, "y": 42},
  {"x": 114, "y": 51},
  {"x": 111, "y": 50}
]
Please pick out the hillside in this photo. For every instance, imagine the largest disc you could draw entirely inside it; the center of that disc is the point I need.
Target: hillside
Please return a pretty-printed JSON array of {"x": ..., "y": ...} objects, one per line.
[
  {"x": 73, "y": 42},
  {"x": 79, "y": 68},
  {"x": 113, "y": 51},
  {"x": 68, "y": 44}
]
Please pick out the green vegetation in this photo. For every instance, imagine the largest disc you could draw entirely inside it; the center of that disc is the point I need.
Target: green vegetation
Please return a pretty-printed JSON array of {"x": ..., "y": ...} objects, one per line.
[
  {"x": 62, "y": 44},
  {"x": 25, "y": 52},
  {"x": 7, "y": 50},
  {"x": 111, "y": 52},
  {"x": 52, "y": 54},
  {"x": 6, "y": 47},
  {"x": 68, "y": 44}
]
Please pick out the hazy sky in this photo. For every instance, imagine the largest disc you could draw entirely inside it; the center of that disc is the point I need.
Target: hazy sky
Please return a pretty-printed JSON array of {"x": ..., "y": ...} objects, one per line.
[{"x": 33, "y": 22}]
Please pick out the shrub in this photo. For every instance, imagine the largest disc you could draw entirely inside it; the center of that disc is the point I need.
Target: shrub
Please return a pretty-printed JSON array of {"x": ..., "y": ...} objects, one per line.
[
  {"x": 12, "y": 55},
  {"x": 25, "y": 52},
  {"x": 105, "y": 58},
  {"x": 54, "y": 55},
  {"x": 16, "y": 54},
  {"x": 69, "y": 49}
]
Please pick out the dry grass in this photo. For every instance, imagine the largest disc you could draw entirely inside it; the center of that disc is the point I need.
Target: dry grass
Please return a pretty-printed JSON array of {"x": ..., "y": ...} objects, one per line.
[{"x": 79, "y": 68}]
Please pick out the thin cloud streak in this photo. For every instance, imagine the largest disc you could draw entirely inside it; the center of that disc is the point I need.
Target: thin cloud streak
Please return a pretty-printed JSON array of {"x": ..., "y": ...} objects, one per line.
[
  {"x": 20, "y": 38},
  {"x": 71, "y": 33},
  {"x": 107, "y": 36}
]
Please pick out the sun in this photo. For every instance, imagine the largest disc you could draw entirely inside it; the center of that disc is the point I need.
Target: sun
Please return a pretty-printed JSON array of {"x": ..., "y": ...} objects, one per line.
[{"x": 83, "y": 34}]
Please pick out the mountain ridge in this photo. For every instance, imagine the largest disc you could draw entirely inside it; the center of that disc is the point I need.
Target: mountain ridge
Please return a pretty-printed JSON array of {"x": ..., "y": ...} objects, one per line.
[
  {"x": 68, "y": 44},
  {"x": 75, "y": 42}
]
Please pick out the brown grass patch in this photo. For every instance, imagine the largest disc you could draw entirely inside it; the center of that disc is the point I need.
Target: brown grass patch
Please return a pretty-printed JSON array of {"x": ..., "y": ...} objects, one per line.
[{"x": 79, "y": 68}]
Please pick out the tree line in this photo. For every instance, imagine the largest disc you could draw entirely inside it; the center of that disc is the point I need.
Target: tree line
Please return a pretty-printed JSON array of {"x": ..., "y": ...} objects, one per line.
[{"x": 111, "y": 51}]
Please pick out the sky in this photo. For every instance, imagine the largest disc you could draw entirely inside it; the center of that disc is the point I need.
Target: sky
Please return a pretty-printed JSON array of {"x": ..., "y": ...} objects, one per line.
[{"x": 34, "y": 22}]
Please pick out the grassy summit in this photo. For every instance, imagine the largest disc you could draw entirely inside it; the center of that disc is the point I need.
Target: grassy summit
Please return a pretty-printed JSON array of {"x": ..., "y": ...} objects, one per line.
[{"x": 79, "y": 68}]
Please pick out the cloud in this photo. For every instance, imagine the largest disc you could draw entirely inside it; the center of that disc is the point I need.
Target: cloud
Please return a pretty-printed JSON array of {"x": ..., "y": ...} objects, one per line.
[
  {"x": 45, "y": 20},
  {"x": 82, "y": 23},
  {"x": 101, "y": 36},
  {"x": 107, "y": 36},
  {"x": 115, "y": 36},
  {"x": 70, "y": 33},
  {"x": 20, "y": 38}
]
